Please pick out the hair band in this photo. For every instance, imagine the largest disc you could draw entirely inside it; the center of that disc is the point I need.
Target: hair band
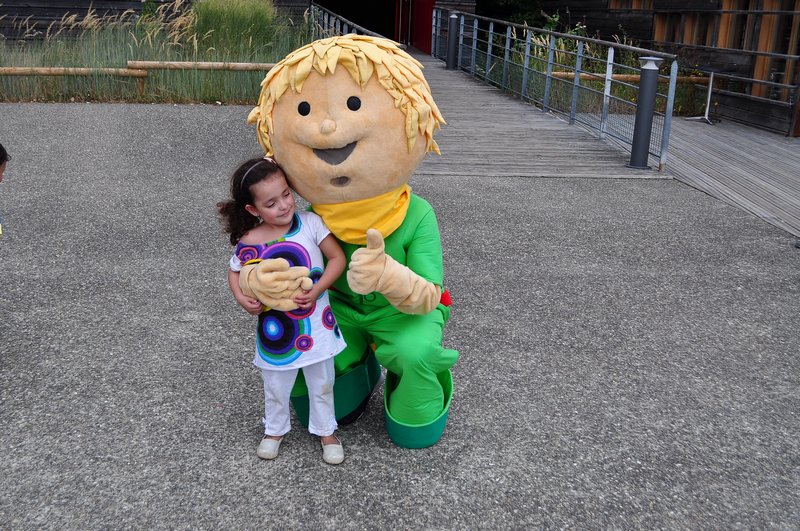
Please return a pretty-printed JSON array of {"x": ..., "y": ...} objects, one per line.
[{"x": 251, "y": 168}]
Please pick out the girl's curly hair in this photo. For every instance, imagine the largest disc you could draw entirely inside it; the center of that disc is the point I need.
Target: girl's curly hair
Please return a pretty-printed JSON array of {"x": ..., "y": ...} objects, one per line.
[{"x": 235, "y": 218}]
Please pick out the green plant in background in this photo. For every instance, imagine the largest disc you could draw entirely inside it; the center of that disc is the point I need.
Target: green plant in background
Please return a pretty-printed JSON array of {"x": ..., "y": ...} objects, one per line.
[
  {"x": 594, "y": 61},
  {"x": 565, "y": 53},
  {"x": 208, "y": 30},
  {"x": 235, "y": 27},
  {"x": 148, "y": 8}
]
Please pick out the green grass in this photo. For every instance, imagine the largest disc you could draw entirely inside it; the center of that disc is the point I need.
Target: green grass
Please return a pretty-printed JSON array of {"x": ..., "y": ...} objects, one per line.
[{"x": 208, "y": 30}]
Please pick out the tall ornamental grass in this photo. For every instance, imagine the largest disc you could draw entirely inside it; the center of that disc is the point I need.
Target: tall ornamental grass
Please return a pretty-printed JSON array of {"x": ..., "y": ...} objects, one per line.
[{"x": 208, "y": 30}]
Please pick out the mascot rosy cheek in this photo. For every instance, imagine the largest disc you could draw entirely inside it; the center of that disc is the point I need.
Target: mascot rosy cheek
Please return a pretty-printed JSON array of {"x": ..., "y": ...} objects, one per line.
[{"x": 349, "y": 119}]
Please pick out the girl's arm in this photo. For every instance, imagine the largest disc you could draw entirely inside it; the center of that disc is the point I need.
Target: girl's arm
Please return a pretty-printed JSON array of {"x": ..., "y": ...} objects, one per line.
[
  {"x": 333, "y": 270},
  {"x": 251, "y": 305}
]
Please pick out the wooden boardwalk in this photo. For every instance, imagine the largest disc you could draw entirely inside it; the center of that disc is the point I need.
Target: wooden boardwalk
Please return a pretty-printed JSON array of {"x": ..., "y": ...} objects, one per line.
[
  {"x": 492, "y": 134},
  {"x": 752, "y": 169}
]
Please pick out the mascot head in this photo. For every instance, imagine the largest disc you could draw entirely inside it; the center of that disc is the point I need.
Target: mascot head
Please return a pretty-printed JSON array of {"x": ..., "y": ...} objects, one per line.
[{"x": 348, "y": 118}]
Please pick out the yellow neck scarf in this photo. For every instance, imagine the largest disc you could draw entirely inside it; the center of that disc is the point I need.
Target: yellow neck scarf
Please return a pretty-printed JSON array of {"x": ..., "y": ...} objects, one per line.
[{"x": 349, "y": 221}]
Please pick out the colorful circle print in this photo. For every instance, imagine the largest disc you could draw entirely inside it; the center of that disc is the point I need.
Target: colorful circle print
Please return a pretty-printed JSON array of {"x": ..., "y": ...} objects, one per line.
[
  {"x": 304, "y": 343},
  {"x": 278, "y": 336},
  {"x": 294, "y": 253},
  {"x": 247, "y": 253},
  {"x": 328, "y": 320}
]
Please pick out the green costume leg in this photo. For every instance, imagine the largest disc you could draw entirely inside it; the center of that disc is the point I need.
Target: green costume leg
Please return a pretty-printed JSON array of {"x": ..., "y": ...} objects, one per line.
[
  {"x": 410, "y": 346},
  {"x": 418, "y": 385}
]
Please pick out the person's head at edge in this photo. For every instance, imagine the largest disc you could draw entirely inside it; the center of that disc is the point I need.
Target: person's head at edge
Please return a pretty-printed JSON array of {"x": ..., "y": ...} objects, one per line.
[{"x": 4, "y": 158}]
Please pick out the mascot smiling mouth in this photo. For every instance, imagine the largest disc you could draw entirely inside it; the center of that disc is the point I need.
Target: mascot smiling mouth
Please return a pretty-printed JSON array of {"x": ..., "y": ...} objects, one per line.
[{"x": 335, "y": 156}]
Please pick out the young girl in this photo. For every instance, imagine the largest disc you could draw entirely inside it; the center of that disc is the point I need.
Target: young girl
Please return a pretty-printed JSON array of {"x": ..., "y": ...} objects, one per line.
[{"x": 262, "y": 222}]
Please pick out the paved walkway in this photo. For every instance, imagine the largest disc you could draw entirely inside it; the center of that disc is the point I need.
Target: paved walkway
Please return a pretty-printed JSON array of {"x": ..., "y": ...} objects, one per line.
[{"x": 628, "y": 349}]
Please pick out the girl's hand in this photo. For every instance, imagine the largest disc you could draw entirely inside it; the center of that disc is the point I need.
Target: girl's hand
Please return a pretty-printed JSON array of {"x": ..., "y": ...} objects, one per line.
[
  {"x": 250, "y": 305},
  {"x": 308, "y": 298}
]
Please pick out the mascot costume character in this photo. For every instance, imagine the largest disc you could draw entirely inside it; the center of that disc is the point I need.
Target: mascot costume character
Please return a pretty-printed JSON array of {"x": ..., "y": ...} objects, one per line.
[{"x": 349, "y": 118}]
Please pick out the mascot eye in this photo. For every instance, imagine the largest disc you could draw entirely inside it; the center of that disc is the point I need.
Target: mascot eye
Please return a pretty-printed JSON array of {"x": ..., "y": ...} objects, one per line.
[
  {"x": 354, "y": 103},
  {"x": 304, "y": 108}
]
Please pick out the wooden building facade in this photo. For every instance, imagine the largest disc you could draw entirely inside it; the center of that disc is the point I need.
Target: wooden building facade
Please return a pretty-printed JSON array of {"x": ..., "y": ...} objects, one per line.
[{"x": 753, "y": 46}]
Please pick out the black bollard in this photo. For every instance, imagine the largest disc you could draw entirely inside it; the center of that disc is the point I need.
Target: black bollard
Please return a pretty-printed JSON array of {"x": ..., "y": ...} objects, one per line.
[
  {"x": 452, "y": 42},
  {"x": 645, "y": 107}
]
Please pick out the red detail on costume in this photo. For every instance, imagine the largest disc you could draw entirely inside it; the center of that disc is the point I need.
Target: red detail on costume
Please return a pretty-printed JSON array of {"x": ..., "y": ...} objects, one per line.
[{"x": 446, "y": 300}]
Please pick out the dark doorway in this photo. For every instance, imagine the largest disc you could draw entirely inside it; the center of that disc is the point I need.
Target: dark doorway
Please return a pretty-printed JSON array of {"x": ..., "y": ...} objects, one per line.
[
  {"x": 377, "y": 16},
  {"x": 405, "y": 21},
  {"x": 421, "y": 24}
]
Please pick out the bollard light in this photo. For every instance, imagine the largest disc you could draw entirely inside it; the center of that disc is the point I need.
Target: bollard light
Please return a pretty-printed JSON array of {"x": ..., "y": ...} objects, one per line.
[
  {"x": 645, "y": 108},
  {"x": 452, "y": 42}
]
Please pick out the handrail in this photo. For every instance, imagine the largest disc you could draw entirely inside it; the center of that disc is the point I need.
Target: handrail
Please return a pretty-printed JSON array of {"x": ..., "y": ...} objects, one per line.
[
  {"x": 317, "y": 12},
  {"x": 759, "y": 53},
  {"x": 590, "y": 40},
  {"x": 550, "y": 69}
]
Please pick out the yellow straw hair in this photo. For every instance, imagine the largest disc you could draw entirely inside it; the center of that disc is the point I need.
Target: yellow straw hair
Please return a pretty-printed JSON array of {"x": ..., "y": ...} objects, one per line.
[{"x": 397, "y": 72}]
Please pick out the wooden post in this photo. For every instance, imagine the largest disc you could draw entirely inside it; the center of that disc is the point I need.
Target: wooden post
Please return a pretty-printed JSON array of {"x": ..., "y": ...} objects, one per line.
[
  {"x": 69, "y": 71},
  {"x": 190, "y": 65}
]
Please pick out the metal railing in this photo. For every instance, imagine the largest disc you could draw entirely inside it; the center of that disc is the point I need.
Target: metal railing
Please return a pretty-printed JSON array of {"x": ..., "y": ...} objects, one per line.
[
  {"x": 593, "y": 83},
  {"x": 326, "y": 23}
]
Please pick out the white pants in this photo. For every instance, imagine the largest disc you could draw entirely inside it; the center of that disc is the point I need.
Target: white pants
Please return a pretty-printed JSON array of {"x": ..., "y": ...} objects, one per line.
[{"x": 278, "y": 388}]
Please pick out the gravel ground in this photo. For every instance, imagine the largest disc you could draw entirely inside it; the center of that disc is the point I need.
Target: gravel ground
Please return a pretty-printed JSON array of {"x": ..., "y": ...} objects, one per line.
[{"x": 628, "y": 350}]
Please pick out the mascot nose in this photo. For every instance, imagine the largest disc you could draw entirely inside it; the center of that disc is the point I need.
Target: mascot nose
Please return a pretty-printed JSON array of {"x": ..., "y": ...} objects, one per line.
[{"x": 327, "y": 126}]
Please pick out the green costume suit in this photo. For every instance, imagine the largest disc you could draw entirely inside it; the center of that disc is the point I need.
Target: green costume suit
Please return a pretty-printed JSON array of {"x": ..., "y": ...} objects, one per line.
[{"x": 419, "y": 384}]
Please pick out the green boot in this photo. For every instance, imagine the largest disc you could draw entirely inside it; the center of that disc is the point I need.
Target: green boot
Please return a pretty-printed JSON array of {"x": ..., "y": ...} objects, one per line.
[{"x": 417, "y": 435}]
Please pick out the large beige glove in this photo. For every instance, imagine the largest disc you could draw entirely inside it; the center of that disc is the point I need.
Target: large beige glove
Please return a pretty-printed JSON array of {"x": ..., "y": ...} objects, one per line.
[
  {"x": 274, "y": 283},
  {"x": 371, "y": 269}
]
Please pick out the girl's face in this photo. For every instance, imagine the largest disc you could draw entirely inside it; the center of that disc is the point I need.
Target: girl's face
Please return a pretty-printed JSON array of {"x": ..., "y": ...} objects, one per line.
[{"x": 273, "y": 201}]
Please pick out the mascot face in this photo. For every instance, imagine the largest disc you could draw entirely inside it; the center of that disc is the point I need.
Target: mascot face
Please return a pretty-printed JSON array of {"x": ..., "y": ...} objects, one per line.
[
  {"x": 348, "y": 118},
  {"x": 340, "y": 142}
]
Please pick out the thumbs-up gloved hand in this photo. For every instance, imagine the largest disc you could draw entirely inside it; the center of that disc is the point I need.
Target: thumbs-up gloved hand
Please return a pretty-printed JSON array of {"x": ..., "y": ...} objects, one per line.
[
  {"x": 274, "y": 283},
  {"x": 371, "y": 269}
]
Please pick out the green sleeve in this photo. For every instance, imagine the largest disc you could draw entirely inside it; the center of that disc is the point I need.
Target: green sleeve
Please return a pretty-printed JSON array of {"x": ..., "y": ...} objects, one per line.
[{"x": 424, "y": 255}]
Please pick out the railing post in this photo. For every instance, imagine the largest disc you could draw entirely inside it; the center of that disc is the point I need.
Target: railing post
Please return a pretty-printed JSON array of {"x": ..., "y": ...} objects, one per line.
[
  {"x": 576, "y": 83},
  {"x": 505, "y": 57},
  {"x": 460, "y": 39},
  {"x": 607, "y": 92},
  {"x": 524, "y": 88},
  {"x": 550, "y": 58},
  {"x": 673, "y": 81},
  {"x": 474, "y": 45},
  {"x": 435, "y": 33},
  {"x": 645, "y": 106},
  {"x": 489, "y": 51},
  {"x": 452, "y": 42}
]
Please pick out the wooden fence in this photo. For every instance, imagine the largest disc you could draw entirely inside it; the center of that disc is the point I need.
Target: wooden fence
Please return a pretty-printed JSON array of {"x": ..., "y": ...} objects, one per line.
[{"x": 136, "y": 69}]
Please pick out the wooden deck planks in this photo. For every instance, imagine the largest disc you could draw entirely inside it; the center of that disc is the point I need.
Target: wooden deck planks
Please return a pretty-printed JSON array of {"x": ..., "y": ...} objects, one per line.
[
  {"x": 491, "y": 134},
  {"x": 753, "y": 169}
]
